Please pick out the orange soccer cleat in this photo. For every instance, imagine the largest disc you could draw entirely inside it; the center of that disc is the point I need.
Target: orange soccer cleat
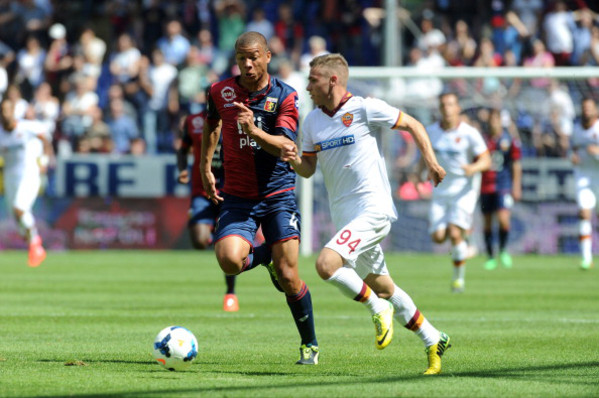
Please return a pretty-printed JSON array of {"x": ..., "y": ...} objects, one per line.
[{"x": 37, "y": 254}]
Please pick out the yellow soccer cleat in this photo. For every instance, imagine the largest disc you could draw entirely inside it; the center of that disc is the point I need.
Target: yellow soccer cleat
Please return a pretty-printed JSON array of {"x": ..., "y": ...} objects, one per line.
[
  {"x": 383, "y": 325},
  {"x": 458, "y": 286},
  {"x": 434, "y": 353},
  {"x": 308, "y": 355}
]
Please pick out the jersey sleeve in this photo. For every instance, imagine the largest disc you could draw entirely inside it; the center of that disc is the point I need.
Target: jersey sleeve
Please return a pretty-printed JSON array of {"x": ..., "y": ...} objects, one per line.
[
  {"x": 287, "y": 117},
  {"x": 516, "y": 150},
  {"x": 382, "y": 114},
  {"x": 211, "y": 110}
]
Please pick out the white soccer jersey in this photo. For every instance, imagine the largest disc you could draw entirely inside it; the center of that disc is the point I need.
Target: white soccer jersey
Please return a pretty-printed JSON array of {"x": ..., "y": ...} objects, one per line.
[
  {"x": 353, "y": 167},
  {"x": 454, "y": 149},
  {"x": 589, "y": 165},
  {"x": 20, "y": 156}
]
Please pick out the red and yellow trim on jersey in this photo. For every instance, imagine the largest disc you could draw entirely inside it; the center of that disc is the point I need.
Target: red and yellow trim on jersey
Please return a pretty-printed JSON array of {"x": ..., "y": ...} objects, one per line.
[
  {"x": 415, "y": 322},
  {"x": 308, "y": 153},
  {"x": 583, "y": 237},
  {"x": 398, "y": 121},
  {"x": 364, "y": 293}
]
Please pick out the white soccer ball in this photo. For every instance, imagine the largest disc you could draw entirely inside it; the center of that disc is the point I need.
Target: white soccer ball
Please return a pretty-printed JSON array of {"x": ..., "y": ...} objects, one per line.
[{"x": 175, "y": 348}]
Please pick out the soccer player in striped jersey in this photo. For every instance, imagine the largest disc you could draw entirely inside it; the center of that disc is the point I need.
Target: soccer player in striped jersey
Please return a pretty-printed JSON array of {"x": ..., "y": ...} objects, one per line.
[
  {"x": 24, "y": 145},
  {"x": 257, "y": 114},
  {"x": 500, "y": 187},
  {"x": 202, "y": 212},
  {"x": 462, "y": 152},
  {"x": 340, "y": 135},
  {"x": 585, "y": 157}
]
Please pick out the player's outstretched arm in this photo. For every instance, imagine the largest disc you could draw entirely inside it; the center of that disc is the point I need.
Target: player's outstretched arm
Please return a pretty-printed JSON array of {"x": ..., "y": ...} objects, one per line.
[
  {"x": 482, "y": 163},
  {"x": 303, "y": 165},
  {"x": 436, "y": 173},
  {"x": 210, "y": 137}
]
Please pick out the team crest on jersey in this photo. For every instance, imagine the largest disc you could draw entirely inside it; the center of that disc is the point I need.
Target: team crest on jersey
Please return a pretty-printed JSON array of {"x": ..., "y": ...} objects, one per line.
[
  {"x": 271, "y": 104},
  {"x": 347, "y": 119},
  {"x": 504, "y": 144},
  {"x": 458, "y": 139},
  {"x": 197, "y": 123},
  {"x": 228, "y": 94}
]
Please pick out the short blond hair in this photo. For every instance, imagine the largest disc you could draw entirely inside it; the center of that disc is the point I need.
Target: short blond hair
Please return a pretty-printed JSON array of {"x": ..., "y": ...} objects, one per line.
[{"x": 333, "y": 64}]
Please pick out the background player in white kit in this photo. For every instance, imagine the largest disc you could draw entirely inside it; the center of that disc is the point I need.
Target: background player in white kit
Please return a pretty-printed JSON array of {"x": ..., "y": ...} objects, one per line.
[
  {"x": 340, "y": 134},
  {"x": 585, "y": 157},
  {"x": 462, "y": 152},
  {"x": 22, "y": 178}
]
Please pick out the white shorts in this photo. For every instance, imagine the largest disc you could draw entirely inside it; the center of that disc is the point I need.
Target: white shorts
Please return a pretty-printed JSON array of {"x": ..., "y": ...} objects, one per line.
[
  {"x": 587, "y": 189},
  {"x": 21, "y": 192},
  {"x": 457, "y": 210},
  {"x": 358, "y": 244}
]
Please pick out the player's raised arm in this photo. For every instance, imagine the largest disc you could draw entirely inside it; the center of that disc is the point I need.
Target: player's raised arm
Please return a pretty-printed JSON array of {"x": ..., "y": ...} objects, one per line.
[
  {"x": 436, "y": 173},
  {"x": 304, "y": 165},
  {"x": 272, "y": 144},
  {"x": 210, "y": 137}
]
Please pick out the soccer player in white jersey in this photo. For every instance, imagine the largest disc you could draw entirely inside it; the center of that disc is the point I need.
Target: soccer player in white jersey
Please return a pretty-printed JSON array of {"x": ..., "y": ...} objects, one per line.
[
  {"x": 340, "y": 134},
  {"x": 462, "y": 152},
  {"x": 585, "y": 157},
  {"x": 22, "y": 172}
]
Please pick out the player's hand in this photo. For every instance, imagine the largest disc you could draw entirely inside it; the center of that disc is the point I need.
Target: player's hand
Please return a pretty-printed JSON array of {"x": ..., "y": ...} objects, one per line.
[
  {"x": 245, "y": 118},
  {"x": 574, "y": 158},
  {"x": 209, "y": 183},
  {"x": 468, "y": 170},
  {"x": 516, "y": 193},
  {"x": 436, "y": 174},
  {"x": 183, "y": 177},
  {"x": 289, "y": 152}
]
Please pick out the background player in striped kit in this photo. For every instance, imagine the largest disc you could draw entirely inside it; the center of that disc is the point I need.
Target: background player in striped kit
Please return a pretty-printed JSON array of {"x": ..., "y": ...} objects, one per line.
[
  {"x": 340, "y": 134},
  {"x": 202, "y": 212},
  {"x": 500, "y": 187}
]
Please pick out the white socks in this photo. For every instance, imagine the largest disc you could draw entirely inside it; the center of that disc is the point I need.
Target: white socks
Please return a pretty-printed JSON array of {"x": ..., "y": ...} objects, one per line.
[
  {"x": 408, "y": 315},
  {"x": 352, "y": 286}
]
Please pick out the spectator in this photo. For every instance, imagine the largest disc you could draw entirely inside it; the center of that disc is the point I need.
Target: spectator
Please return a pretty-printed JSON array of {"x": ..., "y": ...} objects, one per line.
[
  {"x": 77, "y": 109},
  {"x": 278, "y": 55},
  {"x": 488, "y": 58},
  {"x": 115, "y": 91},
  {"x": 46, "y": 107},
  {"x": 122, "y": 127},
  {"x": 7, "y": 55},
  {"x": 260, "y": 24},
  {"x": 33, "y": 18},
  {"x": 317, "y": 46},
  {"x": 98, "y": 136},
  {"x": 290, "y": 31},
  {"x": 124, "y": 65},
  {"x": 510, "y": 35},
  {"x": 462, "y": 45},
  {"x": 231, "y": 23},
  {"x": 529, "y": 12},
  {"x": 193, "y": 78},
  {"x": 157, "y": 80},
  {"x": 13, "y": 92},
  {"x": 561, "y": 106},
  {"x": 58, "y": 59},
  {"x": 558, "y": 26},
  {"x": 93, "y": 50},
  {"x": 540, "y": 57},
  {"x": 30, "y": 67},
  {"x": 294, "y": 78},
  {"x": 431, "y": 38},
  {"x": 173, "y": 44},
  {"x": 152, "y": 16},
  {"x": 581, "y": 35}
]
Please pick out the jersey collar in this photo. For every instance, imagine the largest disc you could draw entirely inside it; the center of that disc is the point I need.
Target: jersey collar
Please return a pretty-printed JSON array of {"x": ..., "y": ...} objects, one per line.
[
  {"x": 344, "y": 99},
  {"x": 255, "y": 95}
]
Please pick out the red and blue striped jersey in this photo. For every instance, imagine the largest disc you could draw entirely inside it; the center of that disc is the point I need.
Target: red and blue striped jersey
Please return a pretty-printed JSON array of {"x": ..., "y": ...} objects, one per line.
[
  {"x": 251, "y": 172},
  {"x": 504, "y": 151},
  {"x": 192, "y": 139}
]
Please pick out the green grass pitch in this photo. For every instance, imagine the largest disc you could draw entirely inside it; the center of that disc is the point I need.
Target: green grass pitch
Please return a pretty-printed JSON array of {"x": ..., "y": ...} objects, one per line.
[{"x": 532, "y": 331}]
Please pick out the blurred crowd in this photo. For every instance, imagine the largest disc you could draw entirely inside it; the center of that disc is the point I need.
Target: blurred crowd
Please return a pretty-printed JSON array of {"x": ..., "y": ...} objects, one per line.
[{"x": 115, "y": 76}]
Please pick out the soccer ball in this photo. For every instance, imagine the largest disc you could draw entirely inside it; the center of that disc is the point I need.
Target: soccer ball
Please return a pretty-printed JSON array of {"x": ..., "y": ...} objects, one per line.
[{"x": 175, "y": 348}]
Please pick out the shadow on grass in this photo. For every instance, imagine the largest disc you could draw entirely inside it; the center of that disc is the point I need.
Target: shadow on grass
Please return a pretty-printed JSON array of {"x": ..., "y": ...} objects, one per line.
[{"x": 484, "y": 374}]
